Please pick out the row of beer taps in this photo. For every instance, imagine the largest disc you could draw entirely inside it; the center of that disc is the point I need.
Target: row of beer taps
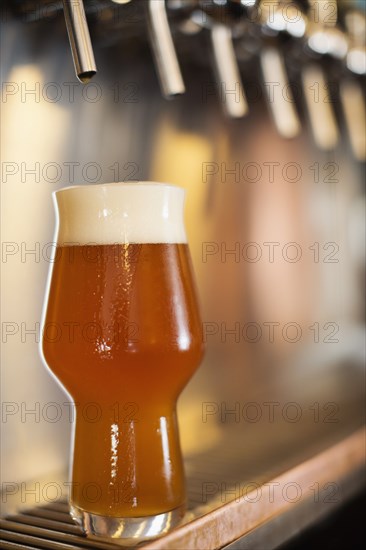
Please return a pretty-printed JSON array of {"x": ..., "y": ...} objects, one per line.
[{"x": 318, "y": 39}]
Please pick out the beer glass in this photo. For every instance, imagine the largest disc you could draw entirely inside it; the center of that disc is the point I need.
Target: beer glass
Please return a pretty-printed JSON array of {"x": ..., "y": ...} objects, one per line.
[{"x": 122, "y": 334}]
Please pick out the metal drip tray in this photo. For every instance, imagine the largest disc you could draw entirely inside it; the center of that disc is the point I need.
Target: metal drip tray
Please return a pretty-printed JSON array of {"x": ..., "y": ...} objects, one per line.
[{"x": 323, "y": 481}]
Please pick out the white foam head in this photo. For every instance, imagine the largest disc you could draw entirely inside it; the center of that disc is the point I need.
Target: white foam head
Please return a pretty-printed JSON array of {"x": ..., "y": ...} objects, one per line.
[{"x": 138, "y": 212}]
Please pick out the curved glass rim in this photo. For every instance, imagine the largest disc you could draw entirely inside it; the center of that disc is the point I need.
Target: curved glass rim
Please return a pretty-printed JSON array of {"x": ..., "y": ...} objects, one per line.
[{"x": 120, "y": 184}]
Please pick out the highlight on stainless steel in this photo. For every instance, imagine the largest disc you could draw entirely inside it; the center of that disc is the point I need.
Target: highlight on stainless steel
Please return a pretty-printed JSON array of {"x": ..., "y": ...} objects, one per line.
[
  {"x": 331, "y": 41},
  {"x": 321, "y": 115},
  {"x": 355, "y": 22},
  {"x": 324, "y": 37},
  {"x": 231, "y": 88},
  {"x": 279, "y": 94},
  {"x": 355, "y": 116},
  {"x": 248, "y": 3},
  {"x": 81, "y": 46},
  {"x": 166, "y": 60},
  {"x": 282, "y": 16}
]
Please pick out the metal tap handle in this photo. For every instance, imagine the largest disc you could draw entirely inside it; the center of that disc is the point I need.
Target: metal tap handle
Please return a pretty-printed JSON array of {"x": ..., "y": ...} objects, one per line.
[
  {"x": 355, "y": 22},
  {"x": 81, "y": 46},
  {"x": 231, "y": 88},
  {"x": 280, "y": 98},
  {"x": 167, "y": 64},
  {"x": 321, "y": 115},
  {"x": 354, "y": 109}
]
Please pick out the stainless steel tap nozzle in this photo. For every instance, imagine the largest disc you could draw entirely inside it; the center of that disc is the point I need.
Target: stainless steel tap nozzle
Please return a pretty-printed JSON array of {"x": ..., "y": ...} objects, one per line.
[
  {"x": 232, "y": 91},
  {"x": 280, "y": 98},
  {"x": 81, "y": 46},
  {"x": 166, "y": 60}
]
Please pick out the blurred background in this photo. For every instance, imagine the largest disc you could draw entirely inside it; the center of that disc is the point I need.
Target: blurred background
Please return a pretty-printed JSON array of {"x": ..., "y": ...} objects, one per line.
[{"x": 257, "y": 110}]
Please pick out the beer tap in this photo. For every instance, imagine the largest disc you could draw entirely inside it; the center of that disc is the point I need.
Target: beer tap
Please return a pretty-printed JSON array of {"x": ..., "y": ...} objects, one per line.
[
  {"x": 355, "y": 23},
  {"x": 276, "y": 18},
  {"x": 81, "y": 46},
  {"x": 232, "y": 90},
  {"x": 321, "y": 115},
  {"x": 355, "y": 115},
  {"x": 218, "y": 21},
  {"x": 351, "y": 93},
  {"x": 280, "y": 98},
  {"x": 171, "y": 80},
  {"x": 322, "y": 37}
]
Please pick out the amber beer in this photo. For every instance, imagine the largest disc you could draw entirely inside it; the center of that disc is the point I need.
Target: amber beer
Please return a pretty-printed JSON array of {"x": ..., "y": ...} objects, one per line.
[{"x": 122, "y": 333}]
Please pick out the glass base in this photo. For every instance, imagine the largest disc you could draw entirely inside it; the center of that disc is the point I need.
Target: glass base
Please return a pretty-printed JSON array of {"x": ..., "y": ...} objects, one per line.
[{"x": 126, "y": 531}]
